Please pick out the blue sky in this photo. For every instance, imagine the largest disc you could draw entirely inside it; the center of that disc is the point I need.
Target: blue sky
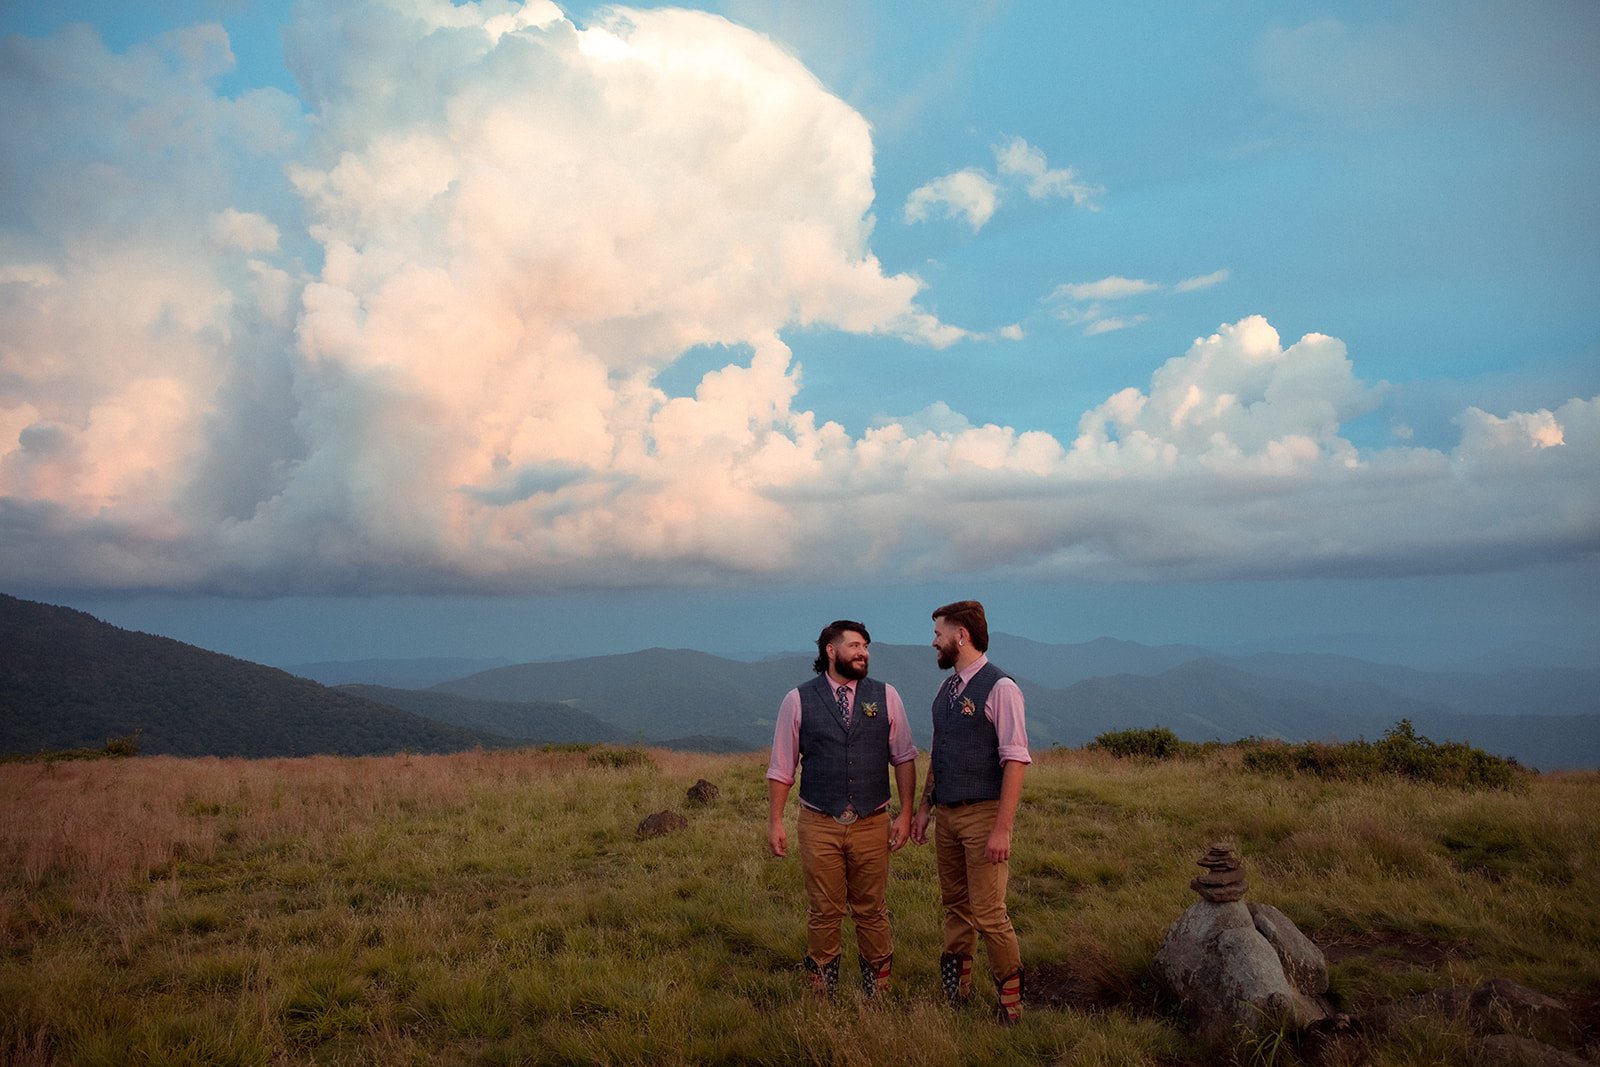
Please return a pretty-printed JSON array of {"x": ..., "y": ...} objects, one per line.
[{"x": 343, "y": 329}]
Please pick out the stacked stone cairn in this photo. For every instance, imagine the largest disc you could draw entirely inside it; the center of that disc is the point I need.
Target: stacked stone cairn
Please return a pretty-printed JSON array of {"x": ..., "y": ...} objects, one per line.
[
  {"x": 1223, "y": 882},
  {"x": 1240, "y": 967}
]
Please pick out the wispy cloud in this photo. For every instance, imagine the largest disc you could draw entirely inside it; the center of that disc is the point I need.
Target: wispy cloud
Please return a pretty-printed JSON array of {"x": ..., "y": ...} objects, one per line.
[
  {"x": 1201, "y": 281},
  {"x": 1083, "y": 303},
  {"x": 1018, "y": 158},
  {"x": 1098, "y": 324},
  {"x": 968, "y": 194},
  {"x": 1365, "y": 71},
  {"x": 1115, "y": 287},
  {"x": 974, "y": 194}
]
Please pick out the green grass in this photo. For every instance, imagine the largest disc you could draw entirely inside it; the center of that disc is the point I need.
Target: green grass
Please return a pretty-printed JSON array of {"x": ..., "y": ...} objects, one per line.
[{"x": 498, "y": 908}]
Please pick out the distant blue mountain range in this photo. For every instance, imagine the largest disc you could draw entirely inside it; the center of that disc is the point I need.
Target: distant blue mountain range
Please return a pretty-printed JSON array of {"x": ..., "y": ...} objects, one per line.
[
  {"x": 69, "y": 680},
  {"x": 1546, "y": 718}
]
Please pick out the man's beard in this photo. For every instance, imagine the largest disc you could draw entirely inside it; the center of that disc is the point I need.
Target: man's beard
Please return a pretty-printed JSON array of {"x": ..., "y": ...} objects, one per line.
[
  {"x": 849, "y": 670},
  {"x": 947, "y": 656}
]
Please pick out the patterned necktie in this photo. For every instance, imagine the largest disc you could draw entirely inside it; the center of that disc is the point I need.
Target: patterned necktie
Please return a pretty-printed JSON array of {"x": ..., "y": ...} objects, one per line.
[
  {"x": 950, "y": 689},
  {"x": 842, "y": 695}
]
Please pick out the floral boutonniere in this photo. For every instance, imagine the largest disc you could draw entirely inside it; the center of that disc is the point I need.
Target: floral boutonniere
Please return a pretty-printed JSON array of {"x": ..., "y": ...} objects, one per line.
[
  {"x": 967, "y": 706},
  {"x": 870, "y": 710}
]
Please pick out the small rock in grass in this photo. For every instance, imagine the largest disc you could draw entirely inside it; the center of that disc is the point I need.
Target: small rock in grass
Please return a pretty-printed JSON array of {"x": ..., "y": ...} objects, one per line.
[
  {"x": 661, "y": 823},
  {"x": 703, "y": 792}
]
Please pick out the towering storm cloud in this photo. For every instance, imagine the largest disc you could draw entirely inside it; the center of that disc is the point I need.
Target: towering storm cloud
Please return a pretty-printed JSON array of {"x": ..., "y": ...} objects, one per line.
[{"x": 425, "y": 352}]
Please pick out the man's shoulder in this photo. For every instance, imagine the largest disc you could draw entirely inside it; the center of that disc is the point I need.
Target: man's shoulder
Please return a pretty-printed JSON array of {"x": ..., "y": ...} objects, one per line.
[
  {"x": 995, "y": 671},
  {"x": 1005, "y": 681},
  {"x": 889, "y": 692},
  {"x": 819, "y": 687}
]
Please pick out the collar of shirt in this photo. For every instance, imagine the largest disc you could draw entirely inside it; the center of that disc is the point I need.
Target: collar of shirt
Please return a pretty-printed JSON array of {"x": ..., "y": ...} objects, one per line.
[
  {"x": 972, "y": 668},
  {"x": 833, "y": 687}
]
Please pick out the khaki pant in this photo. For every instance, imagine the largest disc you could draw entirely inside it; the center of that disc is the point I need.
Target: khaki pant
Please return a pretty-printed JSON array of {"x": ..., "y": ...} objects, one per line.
[
  {"x": 974, "y": 889},
  {"x": 845, "y": 868}
]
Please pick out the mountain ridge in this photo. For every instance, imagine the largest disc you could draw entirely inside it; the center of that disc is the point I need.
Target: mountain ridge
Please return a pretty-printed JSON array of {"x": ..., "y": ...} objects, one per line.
[
  {"x": 68, "y": 680},
  {"x": 529, "y": 722}
]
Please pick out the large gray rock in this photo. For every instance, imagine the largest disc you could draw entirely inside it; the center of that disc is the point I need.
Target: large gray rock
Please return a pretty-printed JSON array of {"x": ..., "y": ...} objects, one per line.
[
  {"x": 1228, "y": 974},
  {"x": 1236, "y": 965},
  {"x": 1303, "y": 962}
]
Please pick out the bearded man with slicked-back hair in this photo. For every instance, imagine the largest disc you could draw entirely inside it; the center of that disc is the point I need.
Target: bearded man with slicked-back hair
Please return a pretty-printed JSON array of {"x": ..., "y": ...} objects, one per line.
[
  {"x": 849, "y": 729},
  {"x": 980, "y": 751}
]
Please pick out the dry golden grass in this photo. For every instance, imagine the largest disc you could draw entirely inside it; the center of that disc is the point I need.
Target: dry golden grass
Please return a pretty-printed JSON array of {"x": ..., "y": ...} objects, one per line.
[{"x": 487, "y": 908}]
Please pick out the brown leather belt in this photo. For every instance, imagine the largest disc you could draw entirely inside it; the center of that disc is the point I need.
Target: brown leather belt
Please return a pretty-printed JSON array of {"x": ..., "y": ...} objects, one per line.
[{"x": 850, "y": 815}]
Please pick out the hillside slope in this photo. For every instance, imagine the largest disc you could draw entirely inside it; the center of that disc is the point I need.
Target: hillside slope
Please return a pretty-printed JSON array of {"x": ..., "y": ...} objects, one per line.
[
  {"x": 68, "y": 680},
  {"x": 655, "y": 694},
  {"x": 536, "y": 722},
  {"x": 418, "y": 673}
]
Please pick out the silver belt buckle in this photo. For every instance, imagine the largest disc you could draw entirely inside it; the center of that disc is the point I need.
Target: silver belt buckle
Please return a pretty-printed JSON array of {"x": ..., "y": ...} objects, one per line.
[{"x": 847, "y": 818}]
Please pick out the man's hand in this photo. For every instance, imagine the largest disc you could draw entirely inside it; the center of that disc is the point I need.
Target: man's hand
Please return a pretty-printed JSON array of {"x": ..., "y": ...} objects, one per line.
[
  {"x": 899, "y": 831},
  {"x": 999, "y": 847},
  {"x": 919, "y": 825},
  {"x": 777, "y": 796}
]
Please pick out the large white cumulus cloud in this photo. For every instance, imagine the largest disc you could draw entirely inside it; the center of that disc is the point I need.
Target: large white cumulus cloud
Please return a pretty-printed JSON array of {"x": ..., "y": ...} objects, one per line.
[{"x": 519, "y": 223}]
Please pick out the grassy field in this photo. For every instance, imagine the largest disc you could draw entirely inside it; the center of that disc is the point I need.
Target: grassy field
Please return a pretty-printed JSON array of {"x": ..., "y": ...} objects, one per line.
[{"x": 498, "y": 908}]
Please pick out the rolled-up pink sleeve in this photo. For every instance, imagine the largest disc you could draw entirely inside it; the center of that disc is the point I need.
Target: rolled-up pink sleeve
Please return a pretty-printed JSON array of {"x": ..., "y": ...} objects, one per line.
[
  {"x": 786, "y": 739},
  {"x": 1004, "y": 709},
  {"x": 901, "y": 748}
]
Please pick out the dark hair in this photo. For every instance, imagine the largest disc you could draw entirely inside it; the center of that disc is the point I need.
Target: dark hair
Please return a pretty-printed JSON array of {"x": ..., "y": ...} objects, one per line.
[
  {"x": 830, "y": 633},
  {"x": 968, "y": 613}
]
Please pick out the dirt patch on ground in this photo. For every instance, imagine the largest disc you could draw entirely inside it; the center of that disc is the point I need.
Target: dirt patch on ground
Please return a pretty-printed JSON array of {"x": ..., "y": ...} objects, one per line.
[
  {"x": 1392, "y": 950},
  {"x": 1060, "y": 985}
]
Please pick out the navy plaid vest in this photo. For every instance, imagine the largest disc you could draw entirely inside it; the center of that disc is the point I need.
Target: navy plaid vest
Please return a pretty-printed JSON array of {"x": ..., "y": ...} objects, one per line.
[
  {"x": 840, "y": 767},
  {"x": 966, "y": 748}
]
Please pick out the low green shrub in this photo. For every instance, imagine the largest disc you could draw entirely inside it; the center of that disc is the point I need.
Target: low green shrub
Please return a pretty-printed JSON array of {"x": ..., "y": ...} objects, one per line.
[
  {"x": 127, "y": 745},
  {"x": 605, "y": 756},
  {"x": 1405, "y": 753},
  {"x": 1400, "y": 753},
  {"x": 1155, "y": 742},
  {"x": 115, "y": 748}
]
